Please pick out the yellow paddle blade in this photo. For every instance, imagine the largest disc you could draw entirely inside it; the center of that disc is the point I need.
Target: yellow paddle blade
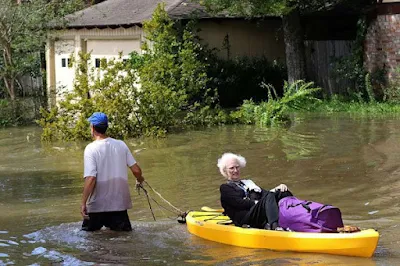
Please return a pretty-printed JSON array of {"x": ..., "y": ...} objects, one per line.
[{"x": 208, "y": 209}]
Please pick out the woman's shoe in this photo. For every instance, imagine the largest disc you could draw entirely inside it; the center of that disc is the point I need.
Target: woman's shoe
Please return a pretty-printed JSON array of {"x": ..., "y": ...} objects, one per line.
[{"x": 272, "y": 226}]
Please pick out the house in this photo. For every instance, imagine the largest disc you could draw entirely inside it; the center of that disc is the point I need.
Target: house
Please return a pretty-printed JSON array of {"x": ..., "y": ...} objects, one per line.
[
  {"x": 115, "y": 26},
  {"x": 382, "y": 42}
]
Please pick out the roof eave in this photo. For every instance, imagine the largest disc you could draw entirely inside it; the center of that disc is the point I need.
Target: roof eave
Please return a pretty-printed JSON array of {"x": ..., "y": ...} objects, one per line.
[
  {"x": 110, "y": 26},
  {"x": 140, "y": 24}
]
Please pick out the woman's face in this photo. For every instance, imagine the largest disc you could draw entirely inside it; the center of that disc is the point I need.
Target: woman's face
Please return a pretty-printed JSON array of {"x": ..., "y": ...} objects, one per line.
[{"x": 233, "y": 170}]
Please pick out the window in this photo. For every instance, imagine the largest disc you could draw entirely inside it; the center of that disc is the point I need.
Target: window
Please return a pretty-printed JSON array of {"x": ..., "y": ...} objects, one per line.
[
  {"x": 66, "y": 62},
  {"x": 100, "y": 62}
]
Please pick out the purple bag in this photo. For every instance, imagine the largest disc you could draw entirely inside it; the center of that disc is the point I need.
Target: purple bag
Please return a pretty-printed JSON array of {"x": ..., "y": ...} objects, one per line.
[{"x": 307, "y": 216}]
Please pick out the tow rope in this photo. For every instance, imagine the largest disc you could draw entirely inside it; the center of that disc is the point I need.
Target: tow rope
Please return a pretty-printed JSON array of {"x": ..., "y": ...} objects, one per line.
[
  {"x": 181, "y": 214},
  {"x": 140, "y": 186}
]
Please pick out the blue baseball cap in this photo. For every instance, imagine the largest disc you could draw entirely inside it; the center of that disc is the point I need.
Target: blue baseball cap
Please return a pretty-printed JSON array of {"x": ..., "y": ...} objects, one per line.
[{"x": 98, "y": 119}]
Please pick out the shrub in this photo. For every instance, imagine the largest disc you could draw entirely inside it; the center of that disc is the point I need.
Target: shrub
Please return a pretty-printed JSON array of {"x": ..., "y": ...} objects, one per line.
[
  {"x": 240, "y": 78},
  {"x": 275, "y": 111},
  {"x": 24, "y": 111},
  {"x": 6, "y": 113},
  {"x": 391, "y": 93}
]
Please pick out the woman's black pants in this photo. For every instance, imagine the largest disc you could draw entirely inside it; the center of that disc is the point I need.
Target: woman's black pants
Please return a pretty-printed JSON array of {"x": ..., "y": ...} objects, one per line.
[{"x": 265, "y": 214}]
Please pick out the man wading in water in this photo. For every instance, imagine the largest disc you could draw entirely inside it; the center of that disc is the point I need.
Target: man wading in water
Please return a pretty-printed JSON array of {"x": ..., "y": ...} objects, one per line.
[{"x": 106, "y": 195}]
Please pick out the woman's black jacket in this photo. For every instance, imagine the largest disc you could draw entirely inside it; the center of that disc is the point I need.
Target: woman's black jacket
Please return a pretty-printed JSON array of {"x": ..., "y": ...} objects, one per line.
[{"x": 235, "y": 202}]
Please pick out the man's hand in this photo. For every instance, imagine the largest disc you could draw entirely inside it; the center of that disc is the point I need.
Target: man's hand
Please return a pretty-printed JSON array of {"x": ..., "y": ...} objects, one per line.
[
  {"x": 88, "y": 188},
  {"x": 138, "y": 186},
  {"x": 137, "y": 172},
  {"x": 84, "y": 212},
  {"x": 140, "y": 179}
]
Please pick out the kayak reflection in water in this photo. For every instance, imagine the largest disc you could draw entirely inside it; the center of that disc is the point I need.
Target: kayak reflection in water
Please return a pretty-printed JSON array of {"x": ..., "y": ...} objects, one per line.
[{"x": 246, "y": 204}]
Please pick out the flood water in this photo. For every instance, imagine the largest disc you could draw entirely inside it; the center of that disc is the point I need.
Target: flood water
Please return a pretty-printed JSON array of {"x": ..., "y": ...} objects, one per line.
[{"x": 350, "y": 163}]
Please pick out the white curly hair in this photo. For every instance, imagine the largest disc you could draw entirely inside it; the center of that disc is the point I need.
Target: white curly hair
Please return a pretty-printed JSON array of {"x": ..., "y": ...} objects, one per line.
[{"x": 225, "y": 158}]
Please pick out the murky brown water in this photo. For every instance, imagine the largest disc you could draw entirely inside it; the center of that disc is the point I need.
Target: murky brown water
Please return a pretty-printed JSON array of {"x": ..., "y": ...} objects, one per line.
[{"x": 351, "y": 163}]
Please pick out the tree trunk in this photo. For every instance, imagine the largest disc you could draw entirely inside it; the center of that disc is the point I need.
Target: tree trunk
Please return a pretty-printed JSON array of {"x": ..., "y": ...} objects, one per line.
[
  {"x": 294, "y": 45},
  {"x": 9, "y": 83},
  {"x": 9, "y": 80}
]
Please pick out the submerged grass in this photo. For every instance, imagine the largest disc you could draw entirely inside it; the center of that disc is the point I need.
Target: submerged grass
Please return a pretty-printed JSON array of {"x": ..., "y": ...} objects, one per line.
[
  {"x": 357, "y": 108},
  {"x": 298, "y": 98}
]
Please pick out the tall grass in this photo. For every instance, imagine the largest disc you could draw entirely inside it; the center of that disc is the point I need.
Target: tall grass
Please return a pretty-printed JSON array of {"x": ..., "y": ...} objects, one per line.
[
  {"x": 360, "y": 108},
  {"x": 276, "y": 110}
]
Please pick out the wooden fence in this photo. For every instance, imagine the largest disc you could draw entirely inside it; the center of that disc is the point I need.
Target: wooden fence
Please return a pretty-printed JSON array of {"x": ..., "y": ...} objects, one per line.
[
  {"x": 30, "y": 86},
  {"x": 320, "y": 58}
]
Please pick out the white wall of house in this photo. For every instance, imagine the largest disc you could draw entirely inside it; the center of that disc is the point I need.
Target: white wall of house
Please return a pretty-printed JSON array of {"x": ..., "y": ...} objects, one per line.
[
  {"x": 246, "y": 38},
  {"x": 110, "y": 49},
  {"x": 63, "y": 51},
  {"x": 101, "y": 43}
]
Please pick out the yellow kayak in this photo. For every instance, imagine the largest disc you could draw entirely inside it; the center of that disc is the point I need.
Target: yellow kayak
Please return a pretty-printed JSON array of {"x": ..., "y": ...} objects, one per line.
[{"x": 213, "y": 226}]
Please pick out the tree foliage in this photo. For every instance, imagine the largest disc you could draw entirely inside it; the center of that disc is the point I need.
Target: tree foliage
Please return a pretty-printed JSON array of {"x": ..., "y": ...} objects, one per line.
[
  {"x": 163, "y": 89},
  {"x": 279, "y": 7},
  {"x": 23, "y": 33}
]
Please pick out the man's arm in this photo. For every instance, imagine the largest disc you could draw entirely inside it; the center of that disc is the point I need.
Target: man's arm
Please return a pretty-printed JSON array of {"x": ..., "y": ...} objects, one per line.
[
  {"x": 137, "y": 172},
  {"x": 90, "y": 183}
]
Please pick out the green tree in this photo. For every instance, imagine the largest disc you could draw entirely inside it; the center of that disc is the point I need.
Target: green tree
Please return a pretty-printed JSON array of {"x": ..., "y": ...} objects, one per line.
[
  {"x": 173, "y": 65},
  {"x": 163, "y": 89},
  {"x": 291, "y": 11},
  {"x": 23, "y": 32}
]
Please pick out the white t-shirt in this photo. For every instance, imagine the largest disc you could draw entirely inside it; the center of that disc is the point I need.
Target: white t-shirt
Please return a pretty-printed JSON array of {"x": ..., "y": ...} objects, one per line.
[{"x": 107, "y": 160}]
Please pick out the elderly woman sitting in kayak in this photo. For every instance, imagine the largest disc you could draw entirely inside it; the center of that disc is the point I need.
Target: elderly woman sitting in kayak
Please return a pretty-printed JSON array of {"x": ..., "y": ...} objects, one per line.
[{"x": 243, "y": 201}]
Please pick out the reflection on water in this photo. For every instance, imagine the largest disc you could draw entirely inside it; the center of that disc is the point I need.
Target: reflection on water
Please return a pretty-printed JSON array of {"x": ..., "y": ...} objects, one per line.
[{"x": 352, "y": 164}]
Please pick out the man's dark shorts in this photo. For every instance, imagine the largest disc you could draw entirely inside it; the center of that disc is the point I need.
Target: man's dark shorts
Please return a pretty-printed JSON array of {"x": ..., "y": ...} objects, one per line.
[{"x": 117, "y": 221}]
